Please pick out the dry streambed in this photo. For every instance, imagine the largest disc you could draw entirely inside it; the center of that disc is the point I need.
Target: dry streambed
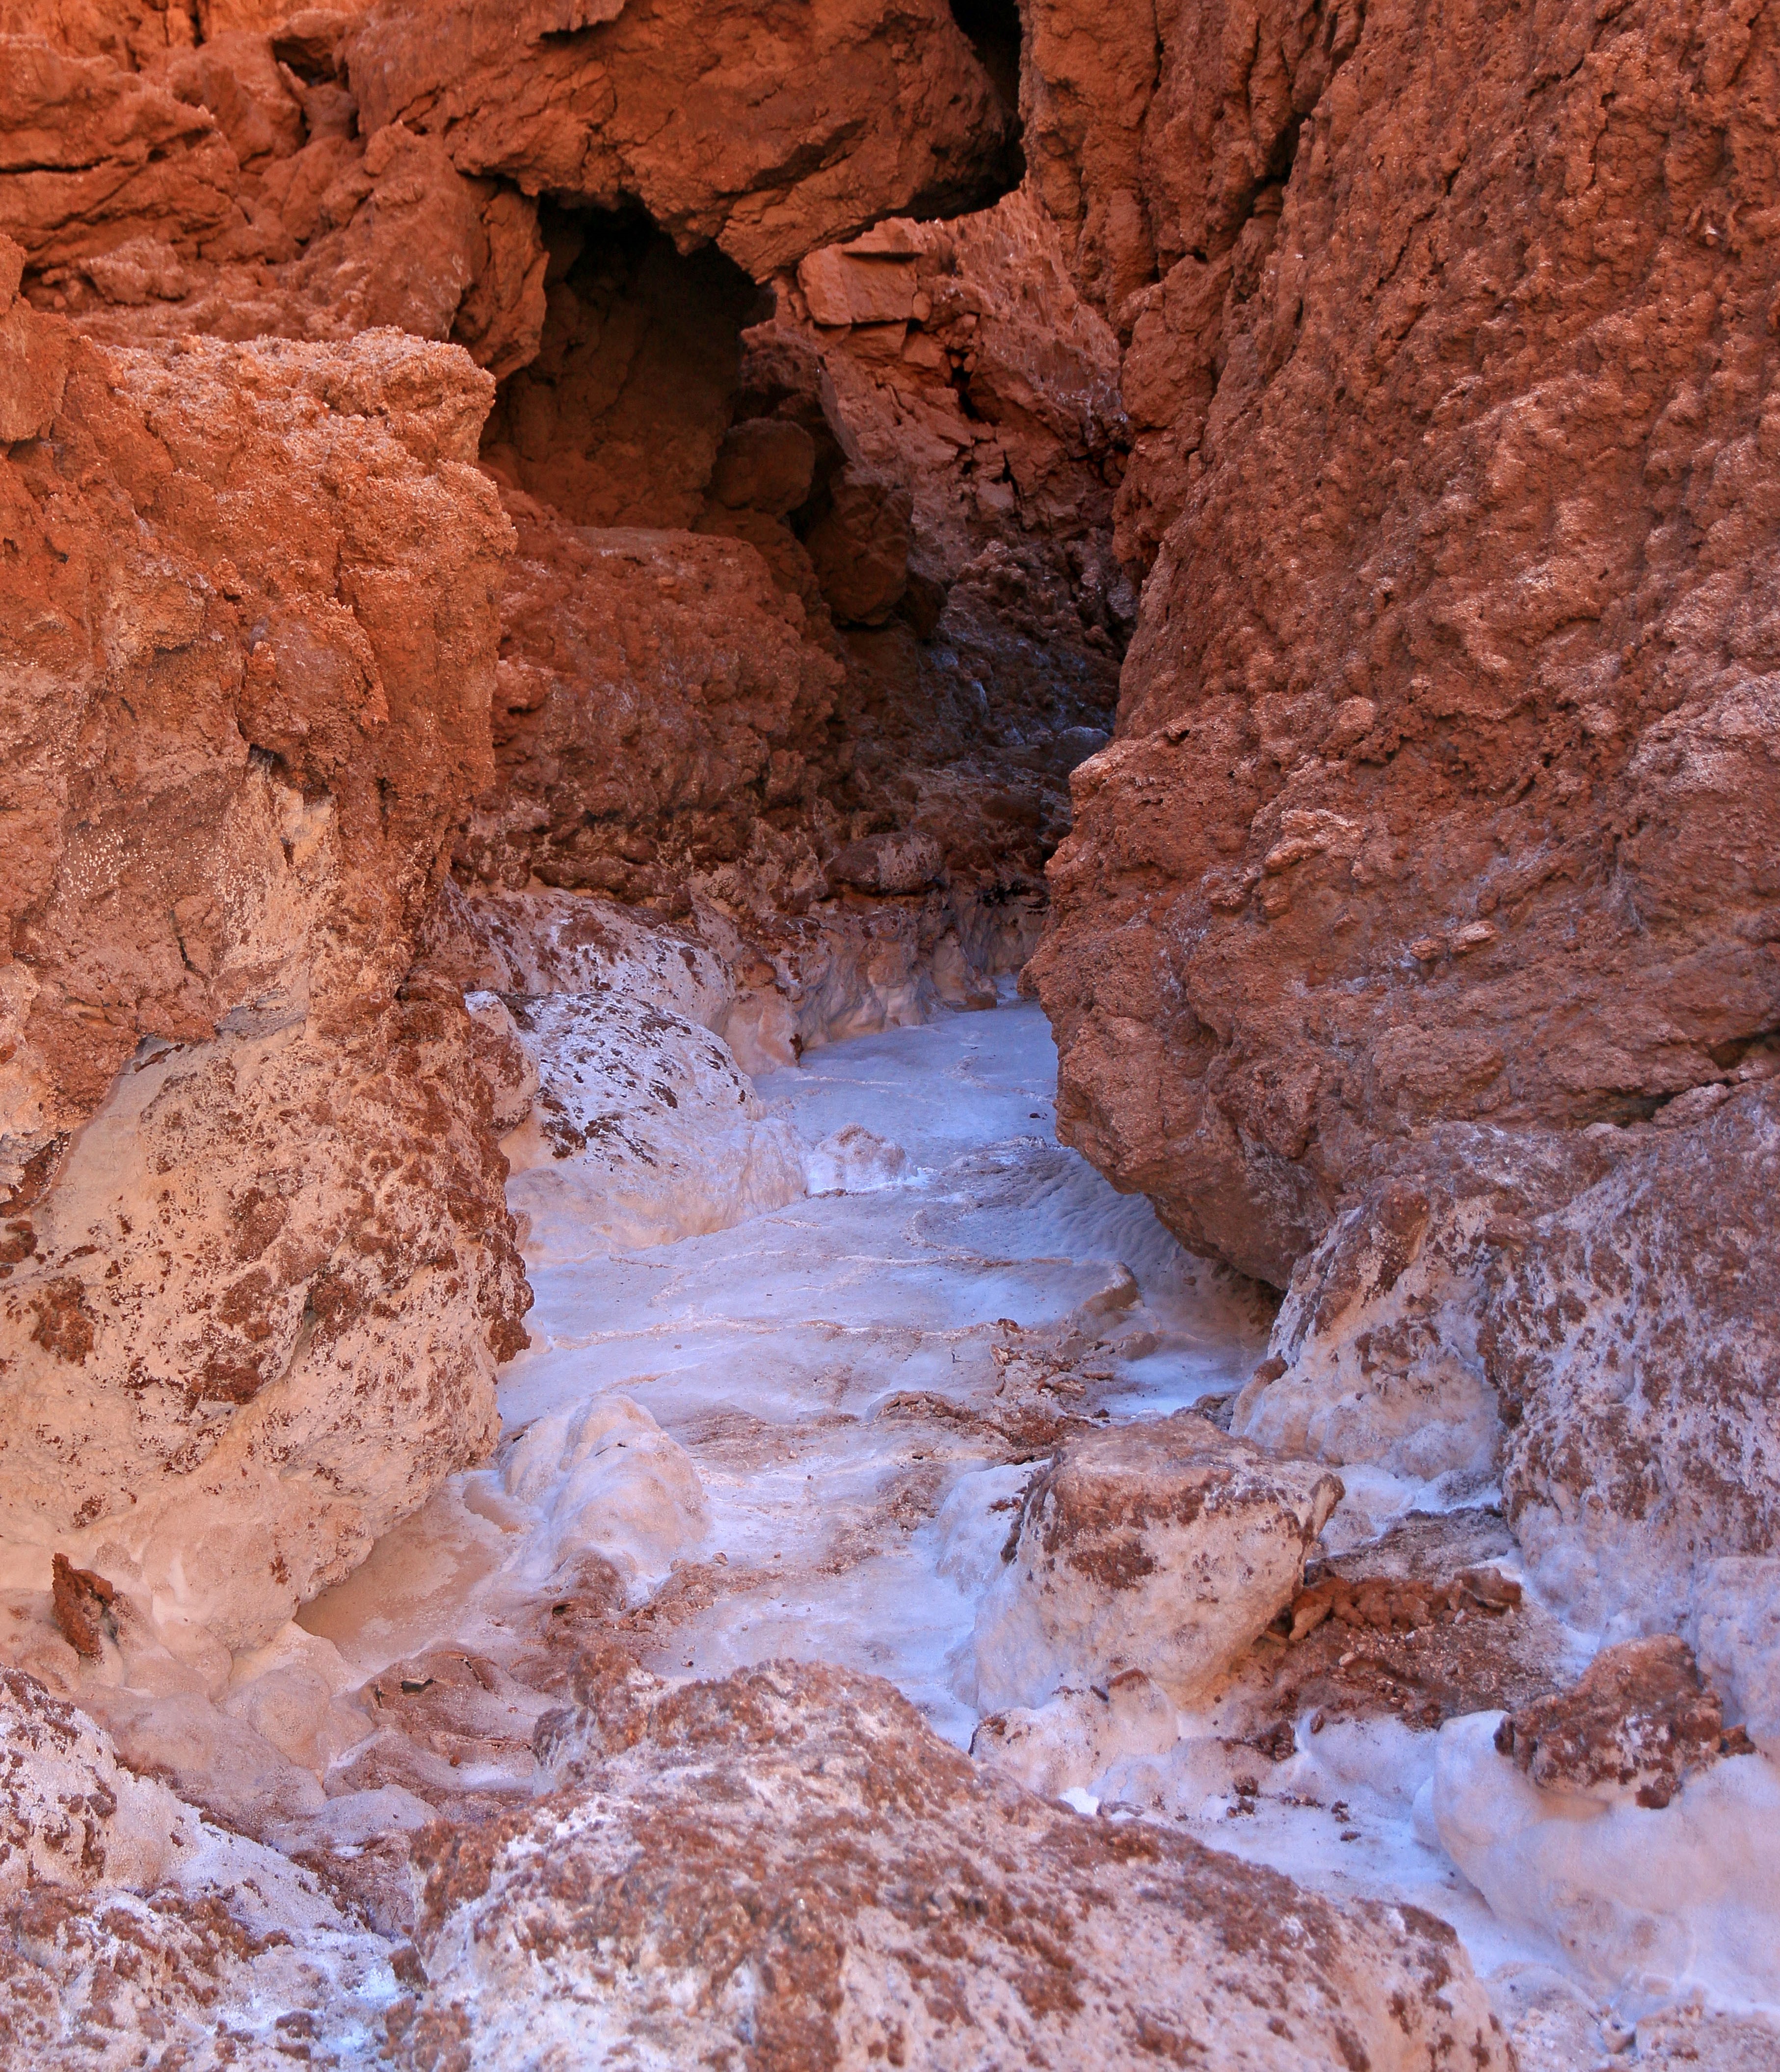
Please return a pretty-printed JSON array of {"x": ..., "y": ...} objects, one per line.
[{"x": 655, "y": 1735}]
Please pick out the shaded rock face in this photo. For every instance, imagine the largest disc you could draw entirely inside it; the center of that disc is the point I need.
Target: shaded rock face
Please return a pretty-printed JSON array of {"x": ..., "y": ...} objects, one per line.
[
  {"x": 1587, "y": 1317},
  {"x": 788, "y": 1867},
  {"x": 258, "y": 1267},
  {"x": 655, "y": 692},
  {"x": 899, "y": 620},
  {"x": 617, "y": 419},
  {"x": 1441, "y": 772}
]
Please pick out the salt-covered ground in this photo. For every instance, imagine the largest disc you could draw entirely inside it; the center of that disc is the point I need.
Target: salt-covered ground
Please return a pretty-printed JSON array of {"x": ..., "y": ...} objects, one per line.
[
  {"x": 800, "y": 1359},
  {"x": 805, "y": 1436}
]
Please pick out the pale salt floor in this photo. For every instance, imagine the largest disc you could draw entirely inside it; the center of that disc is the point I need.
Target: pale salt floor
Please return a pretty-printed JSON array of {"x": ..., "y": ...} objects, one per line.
[
  {"x": 772, "y": 1351},
  {"x": 841, "y": 1525}
]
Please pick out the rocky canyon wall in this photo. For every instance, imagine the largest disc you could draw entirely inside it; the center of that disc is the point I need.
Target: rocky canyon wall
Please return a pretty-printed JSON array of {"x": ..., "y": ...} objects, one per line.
[
  {"x": 425, "y": 456},
  {"x": 258, "y": 1269},
  {"x": 1446, "y": 778}
]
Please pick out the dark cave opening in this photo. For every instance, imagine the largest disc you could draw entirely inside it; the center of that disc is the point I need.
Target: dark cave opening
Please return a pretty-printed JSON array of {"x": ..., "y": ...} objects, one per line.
[
  {"x": 618, "y": 419},
  {"x": 992, "y": 29}
]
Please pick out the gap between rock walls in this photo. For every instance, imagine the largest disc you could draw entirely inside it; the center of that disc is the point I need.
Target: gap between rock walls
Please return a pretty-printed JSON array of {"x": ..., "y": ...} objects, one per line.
[{"x": 593, "y": 600}]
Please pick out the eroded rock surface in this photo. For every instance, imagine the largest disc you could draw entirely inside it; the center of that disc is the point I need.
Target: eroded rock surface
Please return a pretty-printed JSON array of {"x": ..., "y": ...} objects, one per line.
[
  {"x": 794, "y": 1842},
  {"x": 1476, "y": 1314},
  {"x": 1639, "y": 1719},
  {"x": 1442, "y": 766},
  {"x": 128, "y": 1923},
  {"x": 1165, "y": 1548},
  {"x": 258, "y": 1270}
]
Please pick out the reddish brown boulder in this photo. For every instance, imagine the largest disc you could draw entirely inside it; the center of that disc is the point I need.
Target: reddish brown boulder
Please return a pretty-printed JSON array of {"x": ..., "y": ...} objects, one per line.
[{"x": 1638, "y": 1720}]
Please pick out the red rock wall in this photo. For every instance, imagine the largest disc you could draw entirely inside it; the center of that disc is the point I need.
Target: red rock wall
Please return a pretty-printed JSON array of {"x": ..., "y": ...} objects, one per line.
[
  {"x": 257, "y": 1268},
  {"x": 1442, "y": 786}
]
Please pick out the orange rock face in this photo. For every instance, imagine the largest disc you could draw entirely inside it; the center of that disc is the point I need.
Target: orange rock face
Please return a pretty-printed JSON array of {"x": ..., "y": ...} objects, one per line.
[
  {"x": 1442, "y": 787},
  {"x": 763, "y": 131}
]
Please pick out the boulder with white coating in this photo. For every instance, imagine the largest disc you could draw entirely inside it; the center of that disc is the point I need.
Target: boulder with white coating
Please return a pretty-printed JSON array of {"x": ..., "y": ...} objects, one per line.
[
  {"x": 789, "y": 1869},
  {"x": 1070, "y": 1742},
  {"x": 644, "y": 1129},
  {"x": 1648, "y": 1903},
  {"x": 607, "y": 1480},
  {"x": 1165, "y": 1547}
]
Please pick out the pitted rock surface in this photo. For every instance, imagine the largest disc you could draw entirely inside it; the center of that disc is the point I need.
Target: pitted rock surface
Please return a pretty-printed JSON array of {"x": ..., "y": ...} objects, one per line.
[
  {"x": 1459, "y": 603},
  {"x": 788, "y": 1869}
]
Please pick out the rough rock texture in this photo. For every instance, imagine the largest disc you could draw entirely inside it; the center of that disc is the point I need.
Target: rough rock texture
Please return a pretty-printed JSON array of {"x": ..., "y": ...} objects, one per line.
[
  {"x": 644, "y": 1129},
  {"x": 903, "y": 621},
  {"x": 788, "y": 1867},
  {"x": 70, "y": 1816},
  {"x": 967, "y": 371},
  {"x": 1588, "y": 1316},
  {"x": 656, "y": 694},
  {"x": 1162, "y": 1547},
  {"x": 1655, "y": 1906},
  {"x": 230, "y": 189},
  {"x": 256, "y": 1266},
  {"x": 764, "y": 131},
  {"x": 128, "y": 1924},
  {"x": 1444, "y": 769},
  {"x": 1638, "y": 1721}
]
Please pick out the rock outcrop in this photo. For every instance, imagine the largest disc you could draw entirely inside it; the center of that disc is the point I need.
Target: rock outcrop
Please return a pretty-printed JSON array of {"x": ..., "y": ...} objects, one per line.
[
  {"x": 789, "y": 1867},
  {"x": 1442, "y": 772},
  {"x": 1637, "y": 1722},
  {"x": 128, "y": 1923},
  {"x": 765, "y": 138},
  {"x": 1475, "y": 1316},
  {"x": 258, "y": 1267},
  {"x": 1165, "y": 1548}
]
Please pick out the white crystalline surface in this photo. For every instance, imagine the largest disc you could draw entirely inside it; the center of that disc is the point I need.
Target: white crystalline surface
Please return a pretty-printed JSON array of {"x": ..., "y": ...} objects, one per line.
[
  {"x": 770, "y": 1354},
  {"x": 796, "y": 1412}
]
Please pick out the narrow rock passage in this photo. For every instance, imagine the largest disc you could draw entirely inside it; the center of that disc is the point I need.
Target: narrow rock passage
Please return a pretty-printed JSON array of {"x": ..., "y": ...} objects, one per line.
[
  {"x": 861, "y": 1380},
  {"x": 810, "y": 1437}
]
